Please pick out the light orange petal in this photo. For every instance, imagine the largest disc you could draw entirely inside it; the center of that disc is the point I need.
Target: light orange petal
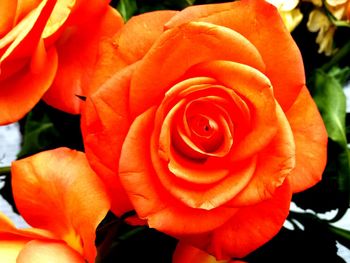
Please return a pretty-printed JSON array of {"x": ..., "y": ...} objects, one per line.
[
  {"x": 261, "y": 24},
  {"x": 105, "y": 123},
  {"x": 22, "y": 40},
  {"x": 310, "y": 137},
  {"x": 20, "y": 92},
  {"x": 72, "y": 198},
  {"x": 9, "y": 250},
  {"x": 7, "y": 14},
  {"x": 87, "y": 59},
  {"x": 164, "y": 64},
  {"x": 150, "y": 199},
  {"x": 54, "y": 252}
]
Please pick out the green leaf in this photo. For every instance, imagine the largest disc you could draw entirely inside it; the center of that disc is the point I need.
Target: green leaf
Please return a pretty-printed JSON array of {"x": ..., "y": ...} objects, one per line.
[
  {"x": 327, "y": 91},
  {"x": 46, "y": 128},
  {"x": 330, "y": 98},
  {"x": 127, "y": 8},
  {"x": 39, "y": 132}
]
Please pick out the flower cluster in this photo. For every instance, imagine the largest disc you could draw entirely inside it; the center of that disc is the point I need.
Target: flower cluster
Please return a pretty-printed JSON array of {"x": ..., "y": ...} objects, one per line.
[
  {"x": 324, "y": 19},
  {"x": 196, "y": 123}
]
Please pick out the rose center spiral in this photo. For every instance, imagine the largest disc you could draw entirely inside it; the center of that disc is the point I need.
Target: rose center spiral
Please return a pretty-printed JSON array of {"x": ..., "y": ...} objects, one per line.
[{"x": 202, "y": 126}]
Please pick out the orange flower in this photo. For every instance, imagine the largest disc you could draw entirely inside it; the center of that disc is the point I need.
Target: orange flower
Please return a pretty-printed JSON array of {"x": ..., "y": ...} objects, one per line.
[
  {"x": 65, "y": 45},
  {"x": 185, "y": 253},
  {"x": 59, "y": 195},
  {"x": 210, "y": 129}
]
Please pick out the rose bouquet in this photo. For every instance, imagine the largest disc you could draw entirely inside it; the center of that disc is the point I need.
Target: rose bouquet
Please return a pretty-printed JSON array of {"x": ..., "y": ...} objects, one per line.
[{"x": 175, "y": 131}]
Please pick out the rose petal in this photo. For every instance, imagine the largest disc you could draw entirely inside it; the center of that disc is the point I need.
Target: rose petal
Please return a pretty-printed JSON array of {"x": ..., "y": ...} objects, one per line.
[
  {"x": 150, "y": 199},
  {"x": 252, "y": 18},
  {"x": 256, "y": 90},
  {"x": 12, "y": 240},
  {"x": 310, "y": 137},
  {"x": 54, "y": 252},
  {"x": 139, "y": 33},
  {"x": 185, "y": 253},
  {"x": 22, "y": 40},
  {"x": 9, "y": 250},
  {"x": 9, "y": 231},
  {"x": 16, "y": 102},
  {"x": 105, "y": 123},
  {"x": 248, "y": 229},
  {"x": 198, "y": 42},
  {"x": 7, "y": 14},
  {"x": 72, "y": 199},
  {"x": 86, "y": 61},
  {"x": 274, "y": 164}
]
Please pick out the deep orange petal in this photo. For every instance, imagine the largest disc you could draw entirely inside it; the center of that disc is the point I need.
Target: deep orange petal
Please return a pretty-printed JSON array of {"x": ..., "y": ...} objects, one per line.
[
  {"x": 310, "y": 137},
  {"x": 255, "y": 88},
  {"x": 87, "y": 59},
  {"x": 275, "y": 162},
  {"x": 43, "y": 251},
  {"x": 7, "y": 228},
  {"x": 105, "y": 123},
  {"x": 261, "y": 24},
  {"x": 72, "y": 199},
  {"x": 139, "y": 33},
  {"x": 150, "y": 199},
  {"x": 249, "y": 228},
  {"x": 20, "y": 92},
  {"x": 22, "y": 40},
  {"x": 164, "y": 64},
  {"x": 185, "y": 253}
]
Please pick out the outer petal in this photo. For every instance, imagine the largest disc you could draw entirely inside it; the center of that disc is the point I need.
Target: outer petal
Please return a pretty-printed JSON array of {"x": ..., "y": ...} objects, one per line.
[
  {"x": 8, "y": 230},
  {"x": 19, "y": 93},
  {"x": 72, "y": 199},
  {"x": 22, "y": 40},
  {"x": 54, "y": 252},
  {"x": 186, "y": 253},
  {"x": 139, "y": 33},
  {"x": 12, "y": 240},
  {"x": 150, "y": 199},
  {"x": 261, "y": 24},
  {"x": 9, "y": 250},
  {"x": 249, "y": 228},
  {"x": 7, "y": 14},
  {"x": 105, "y": 123},
  {"x": 86, "y": 61},
  {"x": 310, "y": 138},
  {"x": 164, "y": 64}
]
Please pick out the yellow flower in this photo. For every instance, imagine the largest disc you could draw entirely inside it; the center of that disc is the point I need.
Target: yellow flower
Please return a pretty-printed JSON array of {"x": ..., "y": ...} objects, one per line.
[
  {"x": 290, "y": 15},
  {"x": 319, "y": 22}
]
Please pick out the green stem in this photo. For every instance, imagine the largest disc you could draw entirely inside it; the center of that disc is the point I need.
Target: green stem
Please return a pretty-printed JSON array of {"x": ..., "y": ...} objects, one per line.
[
  {"x": 342, "y": 235},
  {"x": 342, "y": 53},
  {"x": 6, "y": 170}
]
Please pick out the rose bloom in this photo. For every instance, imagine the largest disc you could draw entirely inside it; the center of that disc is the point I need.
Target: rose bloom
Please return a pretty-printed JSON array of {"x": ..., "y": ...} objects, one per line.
[
  {"x": 61, "y": 45},
  {"x": 210, "y": 128}
]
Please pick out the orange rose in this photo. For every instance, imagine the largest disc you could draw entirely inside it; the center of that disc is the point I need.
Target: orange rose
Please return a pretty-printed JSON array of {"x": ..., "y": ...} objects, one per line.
[
  {"x": 210, "y": 129},
  {"x": 60, "y": 44}
]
